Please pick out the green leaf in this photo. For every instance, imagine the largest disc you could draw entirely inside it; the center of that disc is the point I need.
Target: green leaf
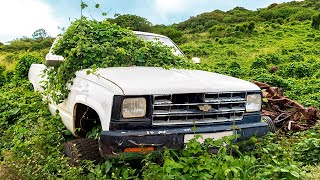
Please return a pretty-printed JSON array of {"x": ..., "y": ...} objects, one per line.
[
  {"x": 295, "y": 174},
  {"x": 227, "y": 171},
  {"x": 284, "y": 170},
  {"x": 13, "y": 111},
  {"x": 126, "y": 174},
  {"x": 168, "y": 169}
]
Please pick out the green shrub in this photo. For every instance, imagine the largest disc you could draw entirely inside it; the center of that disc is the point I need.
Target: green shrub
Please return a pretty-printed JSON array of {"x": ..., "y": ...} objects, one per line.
[
  {"x": 285, "y": 51},
  {"x": 217, "y": 31},
  {"x": 9, "y": 75},
  {"x": 170, "y": 32},
  {"x": 235, "y": 70},
  {"x": 195, "y": 51},
  {"x": 280, "y": 20},
  {"x": 303, "y": 15},
  {"x": 259, "y": 71},
  {"x": 316, "y": 21},
  {"x": 273, "y": 80},
  {"x": 27, "y": 44},
  {"x": 296, "y": 58},
  {"x": 231, "y": 52},
  {"x": 316, "y": 39},
  {"x": 259, "y": 63},
  {"x": 311, "y": 35},
  {"x": 134, "y": 22},
  {"x": 272, "y": 58},
  {"x": 297, "y": 70},
  {"x": 201, "y": 22},
  {"x": 23, "y": 65},
  {"x": 228, "y": 40},
  {"x": 279, "y": 34},
  {"x": 2, "y": 77},
  {"x": 234, "y": 65},
  {"x": 246, "y": 27},
  {"x": 307, "y": 150},
  {"x": 11, "y": 57}
]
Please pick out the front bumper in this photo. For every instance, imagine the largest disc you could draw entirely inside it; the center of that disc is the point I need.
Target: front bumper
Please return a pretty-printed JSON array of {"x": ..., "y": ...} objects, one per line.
[{"x": 114, "y": 142}]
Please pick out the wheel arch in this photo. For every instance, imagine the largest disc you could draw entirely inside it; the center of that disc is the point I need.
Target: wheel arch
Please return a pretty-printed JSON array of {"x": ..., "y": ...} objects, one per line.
[{"x": 78, "y": 110}]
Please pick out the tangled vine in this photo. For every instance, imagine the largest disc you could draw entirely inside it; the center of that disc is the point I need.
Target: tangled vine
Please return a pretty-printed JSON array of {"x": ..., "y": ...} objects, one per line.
[{"x": 90, "y": 44}]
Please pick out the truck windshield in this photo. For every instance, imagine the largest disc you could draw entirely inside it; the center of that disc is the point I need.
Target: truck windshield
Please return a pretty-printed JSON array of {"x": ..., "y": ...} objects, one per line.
[{"x": 165, "y": 41}]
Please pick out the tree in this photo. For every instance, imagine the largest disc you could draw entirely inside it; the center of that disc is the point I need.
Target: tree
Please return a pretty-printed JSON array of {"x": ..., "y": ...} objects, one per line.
[
  {"x": 134, "y": 22},
  {"x": 39, "y": 34},
  {"x": 168, "y": 31}
]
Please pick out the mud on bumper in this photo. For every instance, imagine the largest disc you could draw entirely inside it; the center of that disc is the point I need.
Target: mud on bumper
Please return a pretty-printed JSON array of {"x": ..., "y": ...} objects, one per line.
[{"x": 115, "y": 142}]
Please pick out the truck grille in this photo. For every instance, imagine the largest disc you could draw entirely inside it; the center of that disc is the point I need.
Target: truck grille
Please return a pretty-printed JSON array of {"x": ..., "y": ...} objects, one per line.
[{"x": 181, "y": 109}]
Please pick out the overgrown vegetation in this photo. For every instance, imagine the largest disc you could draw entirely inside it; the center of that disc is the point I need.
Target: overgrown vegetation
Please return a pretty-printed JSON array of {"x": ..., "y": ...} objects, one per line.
[
  {"x": 100, "y": 45},
  {"x": 39, "y": 44},
  {"x": 281, "y": 48}
]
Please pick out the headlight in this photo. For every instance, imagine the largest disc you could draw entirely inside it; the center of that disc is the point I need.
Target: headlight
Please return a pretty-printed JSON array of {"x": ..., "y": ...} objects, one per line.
[
  {"x": 134, "y": 107},
  {"x": 253, "y": 102}
]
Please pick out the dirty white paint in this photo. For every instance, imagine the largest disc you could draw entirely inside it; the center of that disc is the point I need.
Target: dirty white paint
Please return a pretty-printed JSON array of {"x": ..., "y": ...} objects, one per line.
[{"x": 156, "y": 80}]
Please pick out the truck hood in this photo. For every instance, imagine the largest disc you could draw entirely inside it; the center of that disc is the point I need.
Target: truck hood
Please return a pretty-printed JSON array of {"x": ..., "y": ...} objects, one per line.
[{"x": 156, "y": 80}]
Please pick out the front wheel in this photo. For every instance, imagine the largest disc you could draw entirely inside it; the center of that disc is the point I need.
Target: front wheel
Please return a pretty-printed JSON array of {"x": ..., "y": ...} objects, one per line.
[
  {"x": 82, "y": 149},
  {"x": 271, "y": 125}
]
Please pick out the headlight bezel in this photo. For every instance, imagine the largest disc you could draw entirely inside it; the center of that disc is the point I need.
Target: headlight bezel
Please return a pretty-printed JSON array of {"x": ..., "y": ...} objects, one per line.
[
  {"x": 253, "y": 102},
  {"x": 138, "y": 104},
  {"x": 116, "y": 109}
]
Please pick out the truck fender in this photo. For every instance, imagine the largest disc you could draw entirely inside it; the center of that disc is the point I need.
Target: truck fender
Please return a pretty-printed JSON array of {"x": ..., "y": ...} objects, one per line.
[{"x": 102, "y": 112}]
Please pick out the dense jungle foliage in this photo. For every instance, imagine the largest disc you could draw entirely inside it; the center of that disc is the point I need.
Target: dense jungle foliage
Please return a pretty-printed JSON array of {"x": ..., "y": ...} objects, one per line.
[{"x": 277, "y": 45}]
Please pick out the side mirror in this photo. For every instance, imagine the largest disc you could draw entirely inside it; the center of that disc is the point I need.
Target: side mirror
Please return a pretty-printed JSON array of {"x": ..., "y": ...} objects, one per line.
[
  {"x": 52, "y": 60},
  {"x": 196, "y": 60}
]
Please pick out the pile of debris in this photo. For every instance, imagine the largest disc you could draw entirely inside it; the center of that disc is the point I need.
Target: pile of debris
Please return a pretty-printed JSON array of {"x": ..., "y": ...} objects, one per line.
[{"x": 285, "y": 113}]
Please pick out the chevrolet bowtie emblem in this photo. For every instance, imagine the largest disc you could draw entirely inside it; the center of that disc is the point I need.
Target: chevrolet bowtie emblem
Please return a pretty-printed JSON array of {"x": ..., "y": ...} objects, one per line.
[{"x": 205, "y": 107}]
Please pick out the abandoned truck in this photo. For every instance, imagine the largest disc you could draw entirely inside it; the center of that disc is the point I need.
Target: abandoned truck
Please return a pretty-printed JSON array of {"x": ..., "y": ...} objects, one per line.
[{"x": 147, "y": 108}]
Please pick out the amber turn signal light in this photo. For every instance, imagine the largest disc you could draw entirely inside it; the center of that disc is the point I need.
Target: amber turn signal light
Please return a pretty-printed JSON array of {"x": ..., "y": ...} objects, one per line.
[{"x": 139, "y": 149}]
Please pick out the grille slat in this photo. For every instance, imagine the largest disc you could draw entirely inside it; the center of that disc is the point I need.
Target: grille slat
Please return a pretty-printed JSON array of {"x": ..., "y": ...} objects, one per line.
[
  {"x": 179, "y": 109},
  {"x": 196, "y": 114},
  {"x": 190, "y": 113},
  {"x": 194, "y": 104}
]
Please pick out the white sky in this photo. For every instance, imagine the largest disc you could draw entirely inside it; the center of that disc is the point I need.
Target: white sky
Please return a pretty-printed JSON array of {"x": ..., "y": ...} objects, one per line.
[{"x": 22, "y": 17}]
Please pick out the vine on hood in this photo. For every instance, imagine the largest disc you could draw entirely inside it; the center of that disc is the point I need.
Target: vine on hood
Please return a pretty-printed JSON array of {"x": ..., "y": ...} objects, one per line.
[{"x": 90, "y": 44}]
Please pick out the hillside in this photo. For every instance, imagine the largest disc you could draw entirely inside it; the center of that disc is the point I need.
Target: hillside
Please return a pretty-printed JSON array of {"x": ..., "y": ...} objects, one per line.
[
  {"x": 279, "y": 45},
  {"x": 292, "y": 48}
]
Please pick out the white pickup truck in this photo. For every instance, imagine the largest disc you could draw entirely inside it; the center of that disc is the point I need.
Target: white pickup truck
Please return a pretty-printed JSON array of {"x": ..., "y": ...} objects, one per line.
[{"x": 148, "y": 108}]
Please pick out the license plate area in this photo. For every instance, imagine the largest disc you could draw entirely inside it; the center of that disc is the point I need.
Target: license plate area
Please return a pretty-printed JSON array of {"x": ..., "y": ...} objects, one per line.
[{"x": 215, "y": 136}]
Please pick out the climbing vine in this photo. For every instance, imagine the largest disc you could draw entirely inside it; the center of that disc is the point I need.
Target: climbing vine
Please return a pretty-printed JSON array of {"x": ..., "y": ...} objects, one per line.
[{"x": 91, "y": 44}]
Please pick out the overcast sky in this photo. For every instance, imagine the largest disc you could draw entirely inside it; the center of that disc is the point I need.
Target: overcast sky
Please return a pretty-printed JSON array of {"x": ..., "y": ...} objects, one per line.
[{"x": 22, "y": 17}]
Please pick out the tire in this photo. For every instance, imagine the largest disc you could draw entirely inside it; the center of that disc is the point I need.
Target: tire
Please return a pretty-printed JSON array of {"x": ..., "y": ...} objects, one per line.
[
  {"x": 82, "y": 149},
  {"x": 271, "y": 125}
]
